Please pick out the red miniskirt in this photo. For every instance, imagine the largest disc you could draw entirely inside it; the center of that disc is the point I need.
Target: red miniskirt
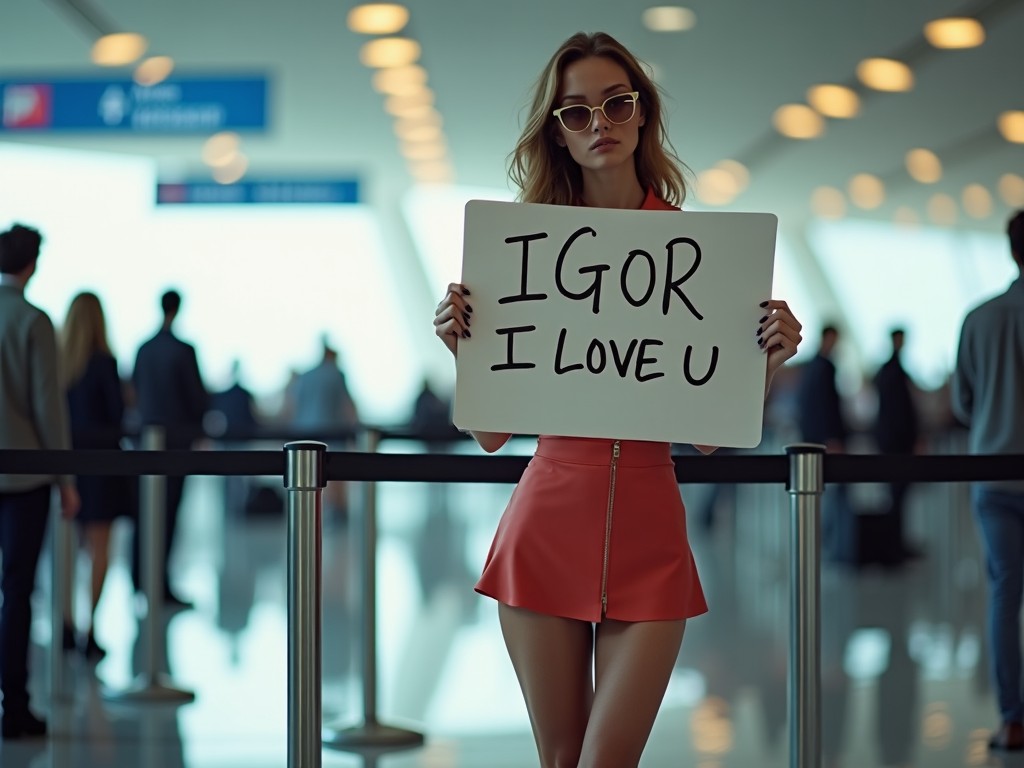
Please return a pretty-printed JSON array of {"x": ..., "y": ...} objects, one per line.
[{"x": 591, "y": 535}]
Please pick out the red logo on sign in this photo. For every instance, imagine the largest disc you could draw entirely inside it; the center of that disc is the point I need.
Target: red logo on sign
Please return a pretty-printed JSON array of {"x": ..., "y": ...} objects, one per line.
[{"x": 27, "y": 106}]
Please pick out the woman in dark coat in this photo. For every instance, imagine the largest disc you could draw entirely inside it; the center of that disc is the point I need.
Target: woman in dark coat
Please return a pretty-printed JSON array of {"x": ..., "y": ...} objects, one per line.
[{"x": 96, "y": 407}]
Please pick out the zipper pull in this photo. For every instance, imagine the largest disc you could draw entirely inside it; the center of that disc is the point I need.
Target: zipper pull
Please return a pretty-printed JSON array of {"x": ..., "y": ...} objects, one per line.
[{"x": 615, "y": 449}]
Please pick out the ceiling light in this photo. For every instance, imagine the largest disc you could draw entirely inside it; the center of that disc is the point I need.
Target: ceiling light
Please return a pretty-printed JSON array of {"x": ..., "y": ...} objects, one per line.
[
  {"x": 738, "y": 171},
  {"x": 418, "y": 132},
  {"x": 119, "y": 49},
  {"x": 798, "y": 121},
  {"x": 866, "y": 191},
  {"x": 154, "y": 70},
  {"x": 834, "y": 100},
  {"x": 424, "y": 151},
  {"x": 924, "y": 166},
  {"x": 409, "y": 103},
  {"x": 906, "y": 216},
  {"x": 1011, "y": 125},
  {"x": 828, "y": 203},
  {"x": 955, "y": 32},
  {"x": 233, "y": 171},
  {"x": 1011, "y": 189},
  {"x": 220, "y": 149},
  {"x": 378, "y": 18},
  {"x": 716, "y": 186},
  {"x": 432, "y": 172},
  {"x": 389, "y": 52},
  {"x": 977, "y": 201},
  {"x": 942, "y": 209},
  {"x": 669, "y": 18},
  {"x": 885, "y": 75},
  {"x": 398, "y": 81}
]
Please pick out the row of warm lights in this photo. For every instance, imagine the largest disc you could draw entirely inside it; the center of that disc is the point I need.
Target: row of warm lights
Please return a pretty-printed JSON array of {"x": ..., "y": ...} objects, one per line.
[
  {"x": 124, "y": 48},
  {"x": 222, "y": 152},
  {"x": 403, "y": 83},
  {"x": 805, "y": 121},
  {"x": 868, "y": 192}
]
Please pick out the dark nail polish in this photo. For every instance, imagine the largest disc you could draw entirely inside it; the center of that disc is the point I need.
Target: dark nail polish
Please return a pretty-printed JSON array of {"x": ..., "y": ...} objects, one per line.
[
  {"x": 469, "y": 307},
  {"x": 465, "y": 291},
  {"x": 468, "y": 334},
  {"x": 465, "y": 317},
  {"x": 760, "y": 343},
  {"x": 763, "y": 319},
  {"x": 763, "y": 304},
  {"x": 760, "y": 331}
]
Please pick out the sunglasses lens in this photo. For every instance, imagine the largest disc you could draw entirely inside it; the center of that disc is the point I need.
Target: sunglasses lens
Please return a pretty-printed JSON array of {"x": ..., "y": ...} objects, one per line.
[
  {"x": 620, "y": 108},
  {"x": 575, "y": 118}
]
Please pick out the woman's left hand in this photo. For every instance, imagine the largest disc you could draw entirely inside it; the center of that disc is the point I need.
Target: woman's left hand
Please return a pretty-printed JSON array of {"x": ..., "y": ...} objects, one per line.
[{"x": 778, "y": 334}]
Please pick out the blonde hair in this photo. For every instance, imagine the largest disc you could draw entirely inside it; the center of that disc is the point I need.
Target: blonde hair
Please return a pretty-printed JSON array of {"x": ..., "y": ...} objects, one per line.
[
  {"x": 544, "y": 172},
  {"x": 83, "y": 335}
]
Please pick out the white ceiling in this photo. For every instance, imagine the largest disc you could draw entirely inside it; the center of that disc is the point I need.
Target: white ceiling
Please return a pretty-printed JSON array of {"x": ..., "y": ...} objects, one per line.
[{"x": 723, "y": 79}]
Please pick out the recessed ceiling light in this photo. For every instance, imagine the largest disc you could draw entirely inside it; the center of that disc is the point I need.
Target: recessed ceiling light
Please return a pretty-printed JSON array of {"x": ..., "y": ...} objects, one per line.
[
  {"x": 408, "y": 104},
  {"x": 398, "y": 81},
  {"x": 1011, "y": 189},
  {"x": 716, "y": 186},
  {"x": 378, "y": 18},
  {"x": 828, "y": 203},
  {"x": 118, "y": 49},
  {"x": 154, "y": 70},
  {"x": 866, "y": 191},
  {"x": 955, "y": 32},
  {"x": 977, "y": 201},
  {"x": 669, "y": 18},
  {"x": 924, "y": 166},
  {"x": 798, "y": 121},
  {"x": 1011, "y": 125},
  {"x": 834, "y": 100},
  {"x": 432, "y": 172},
  {"x": 424, "y": 151},
  {"x": 233, "y": 171},
  {"x": 737, "y": 170},
  {"x": 942, "y": 209},
  {"x": 389, "y": 52},
  {"x": 885, "y": 75},
  {"x": 219, "y": 149}
]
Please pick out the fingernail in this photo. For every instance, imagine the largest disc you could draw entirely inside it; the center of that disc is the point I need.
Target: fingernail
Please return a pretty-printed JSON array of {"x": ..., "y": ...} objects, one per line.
[
  {"x": 759, "y": 331},
  {"x": 469, "y": 307},
  {"x": 760, "y": 343},
  {"x": 763, "y": 319},
  {"x": 467, "y": 334},
  {"x": 763, "y": 304},
  {"x": 465, "y": 291},
  {"x": 465, "y": 317}
]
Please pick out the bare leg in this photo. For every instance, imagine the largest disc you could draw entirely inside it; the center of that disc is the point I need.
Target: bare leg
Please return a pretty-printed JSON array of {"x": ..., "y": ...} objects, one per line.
[
  {"x": 633, "y": 663},
  {"x": 97, "y": 541},
  {"x": 552, "y": 659}
]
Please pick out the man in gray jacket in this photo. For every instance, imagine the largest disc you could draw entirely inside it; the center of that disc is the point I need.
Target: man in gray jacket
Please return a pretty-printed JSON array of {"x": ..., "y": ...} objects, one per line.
[
  {"x": 988, "y": 395},
  {"x": 32, "y": 416}
]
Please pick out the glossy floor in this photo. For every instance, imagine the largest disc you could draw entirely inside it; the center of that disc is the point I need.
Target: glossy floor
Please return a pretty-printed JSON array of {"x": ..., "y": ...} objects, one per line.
[{"x": 904, "y": 677}]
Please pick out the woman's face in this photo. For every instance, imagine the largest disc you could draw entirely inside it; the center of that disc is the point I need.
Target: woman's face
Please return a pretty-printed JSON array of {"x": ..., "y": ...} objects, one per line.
[{"x": 602, "y": 144}]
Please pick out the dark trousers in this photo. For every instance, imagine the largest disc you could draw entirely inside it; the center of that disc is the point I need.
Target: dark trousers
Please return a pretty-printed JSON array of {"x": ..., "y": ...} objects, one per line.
[
  {"x": 175, "y": 490},
  {"x": 23, "y": 517}
]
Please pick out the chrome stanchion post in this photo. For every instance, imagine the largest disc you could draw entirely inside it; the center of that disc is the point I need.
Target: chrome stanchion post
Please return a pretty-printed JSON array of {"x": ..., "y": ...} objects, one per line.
[
  {"x": 152, "y": 685},
  {"x": 372, "y": 733},
  {"x": 304, "y": 480},
  {"x": 62, "y": 568},
  {"x": 806, "y": 485}
]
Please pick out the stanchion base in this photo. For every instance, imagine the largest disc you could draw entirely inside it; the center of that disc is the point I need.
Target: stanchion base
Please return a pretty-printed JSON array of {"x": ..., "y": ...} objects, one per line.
[
  {"x": 147, "y": 690},
  {"x": 372, "y": 735}
]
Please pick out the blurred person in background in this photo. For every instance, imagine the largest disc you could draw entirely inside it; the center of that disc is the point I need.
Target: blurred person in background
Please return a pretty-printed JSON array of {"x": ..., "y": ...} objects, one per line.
[
  {"x": 96, "y": 408},
  {"x": 988, "y": 396},
  {"x": 169, "y": 393},
  {"x": 33, "y": 416},
  {"x": 897, "y": 432}
]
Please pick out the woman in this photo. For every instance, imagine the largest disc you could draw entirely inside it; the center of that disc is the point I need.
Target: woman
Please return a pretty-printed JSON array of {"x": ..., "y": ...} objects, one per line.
[
  {"x": 594, "y": 670},
  {"x": 96, "y": 407}
]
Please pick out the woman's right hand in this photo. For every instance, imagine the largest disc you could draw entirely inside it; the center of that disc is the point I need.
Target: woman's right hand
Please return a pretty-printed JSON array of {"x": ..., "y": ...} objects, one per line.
[{"x": 452, "y": 316}]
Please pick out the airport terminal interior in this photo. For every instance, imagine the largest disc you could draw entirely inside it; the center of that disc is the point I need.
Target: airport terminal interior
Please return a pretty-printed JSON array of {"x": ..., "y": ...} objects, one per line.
[{"x": 302, "y": 181}]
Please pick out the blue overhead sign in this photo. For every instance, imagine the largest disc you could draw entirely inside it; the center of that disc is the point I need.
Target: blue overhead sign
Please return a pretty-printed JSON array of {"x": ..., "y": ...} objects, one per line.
[
  {"x": 266, "y": 192},
  {"x": 183, "y": 105}
]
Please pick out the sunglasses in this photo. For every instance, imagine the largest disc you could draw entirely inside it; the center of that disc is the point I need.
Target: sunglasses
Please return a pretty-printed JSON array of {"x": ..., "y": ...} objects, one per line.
[{"x": 618, "y": 109}]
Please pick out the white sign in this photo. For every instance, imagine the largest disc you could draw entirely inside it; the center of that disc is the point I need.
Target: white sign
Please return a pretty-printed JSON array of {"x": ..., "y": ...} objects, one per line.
[{"x": 596, "y": 322}]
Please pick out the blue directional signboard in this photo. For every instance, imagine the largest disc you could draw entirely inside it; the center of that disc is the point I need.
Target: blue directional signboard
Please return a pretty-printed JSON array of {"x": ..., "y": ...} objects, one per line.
[
  {"x": 174, "y": 106},
  {"x": 266, "y": 191}
]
